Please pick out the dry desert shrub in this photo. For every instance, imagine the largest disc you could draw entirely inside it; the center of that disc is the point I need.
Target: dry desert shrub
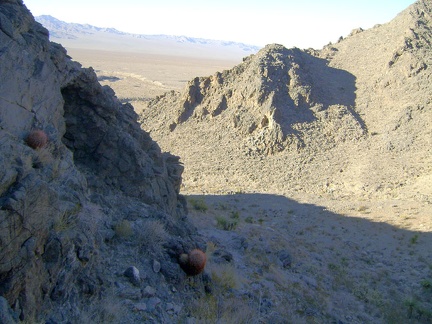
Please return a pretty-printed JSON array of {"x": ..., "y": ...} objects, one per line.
[
  {"x": 123, "y": 229},
  {"x": 45, "y": 155},
  {"x": 227, "y": 224},
  {"x": 224, "y": 277},
  {"x": 216, "y": 309},
  {"x": 152, "y": 235},
  {"x": 198, "y": 204}
]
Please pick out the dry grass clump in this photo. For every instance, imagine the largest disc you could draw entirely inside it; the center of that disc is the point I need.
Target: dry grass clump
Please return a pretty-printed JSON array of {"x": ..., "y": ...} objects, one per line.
[
  {"x": 198, "y": 204},
  {"x": 224, "y": 277},
  {"x": 109, "y": 309},
  {"x": 215, "y": 309},
  {"x": 151, "y": 236},
  {"x": 45, "y": 155},
  {"x": 123, "y": 229},
  {"x": 226, "y": 224}
]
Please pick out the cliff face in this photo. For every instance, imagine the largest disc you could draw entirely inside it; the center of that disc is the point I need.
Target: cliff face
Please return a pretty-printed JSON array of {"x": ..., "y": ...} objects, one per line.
[{"x": 68, "y": 208}]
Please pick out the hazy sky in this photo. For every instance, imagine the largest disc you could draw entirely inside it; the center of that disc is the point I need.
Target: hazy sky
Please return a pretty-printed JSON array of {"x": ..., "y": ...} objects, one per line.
[{"x": 300, "y": 23}]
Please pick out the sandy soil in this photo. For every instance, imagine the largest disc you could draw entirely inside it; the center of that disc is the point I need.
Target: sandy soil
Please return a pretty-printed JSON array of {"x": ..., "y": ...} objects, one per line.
[{"x": 137, "y": 77}]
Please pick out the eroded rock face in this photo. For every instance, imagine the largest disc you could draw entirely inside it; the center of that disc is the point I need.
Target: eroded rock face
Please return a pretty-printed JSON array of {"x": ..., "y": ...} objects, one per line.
[
  {"x": 60, "y": 201},
  {"x": 106, "y": 140},
  {"x": 264, "y": 100}
]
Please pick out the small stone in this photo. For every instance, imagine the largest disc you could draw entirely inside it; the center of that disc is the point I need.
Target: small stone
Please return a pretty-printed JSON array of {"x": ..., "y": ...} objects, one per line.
[
  {"x": 156, "y": 266},
  {"x": 130, "y": 293},
  {"x": 133, "y": 275},
  {"x": 140, "y": 307},
  {"x": 222, "y": 256},
  {"x": 285, "y": 258},
  {"x": 152, "y": 303},
  {"x": 172, "y": 308},
  {"x": 149, "y": 292}
]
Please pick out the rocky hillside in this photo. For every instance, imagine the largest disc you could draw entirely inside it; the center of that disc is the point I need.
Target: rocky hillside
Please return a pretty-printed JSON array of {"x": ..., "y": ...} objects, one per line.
[
  {"x": 267, "y": 102},
  {"x": 313, "y": 172},
  {"x": 92, "y": 222},
  {"x": 350, "y": 120}
]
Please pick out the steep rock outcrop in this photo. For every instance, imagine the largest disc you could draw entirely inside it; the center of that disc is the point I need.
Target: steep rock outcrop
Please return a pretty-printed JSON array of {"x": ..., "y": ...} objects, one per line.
[
  {"x": 267, "y": 99},
  {"x": 98, "y": 127},
  {"x": 60, "y": 202}
]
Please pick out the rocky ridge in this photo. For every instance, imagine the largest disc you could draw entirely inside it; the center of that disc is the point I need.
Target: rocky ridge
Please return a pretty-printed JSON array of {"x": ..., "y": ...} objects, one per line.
[
  {"x": 312, "y": 121},
  {"x": 266, "y": 101},
  {"x": 98, "y": 198}
]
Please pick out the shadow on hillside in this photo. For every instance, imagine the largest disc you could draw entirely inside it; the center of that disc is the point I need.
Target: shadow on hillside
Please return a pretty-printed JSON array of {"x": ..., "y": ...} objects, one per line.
[
  {"x": 358, "y": 252},
  {"x": 328, "y": 86},
  {"x": 279, "y": 210}
]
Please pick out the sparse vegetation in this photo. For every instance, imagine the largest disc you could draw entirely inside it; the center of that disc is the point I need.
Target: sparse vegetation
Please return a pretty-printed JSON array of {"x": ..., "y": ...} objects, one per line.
[
  {"x": 226, "y": 224},
  {"x": 414, "y": 239},
  {"x": 427, "y": 284},
  {"x": 45, "y": 156},
  {"x": 345, "y": 217},
  {"x": 151, "y": 237},
  {"x": 249, "y": 220},
  {"x": 123, "y": 229},
  {"x": 198, "y": 204},
  {"x": 417, "y": 310},
  {"x": 224, "y": 276},
  {"x": 67, "y": 218},
  {"x": 235, "y": 215}
]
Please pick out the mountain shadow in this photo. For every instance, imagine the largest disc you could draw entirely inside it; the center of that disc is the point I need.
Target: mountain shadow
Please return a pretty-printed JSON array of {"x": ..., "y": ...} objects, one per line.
[{"x": 285, "y": 261}]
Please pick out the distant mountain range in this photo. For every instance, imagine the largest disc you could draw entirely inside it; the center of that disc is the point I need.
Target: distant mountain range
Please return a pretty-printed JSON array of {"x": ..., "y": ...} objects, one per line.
[
  {"x": 61, "y": 29},
  {"x": 74, "y": 35}
]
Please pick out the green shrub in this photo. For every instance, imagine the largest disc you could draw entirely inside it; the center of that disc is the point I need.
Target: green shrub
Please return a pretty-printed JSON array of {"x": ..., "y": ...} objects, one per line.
[
  {"x": 249, "y": 220},
  {"x": 123, "y": 229},
  {"x": 414, "y": 239},
  {"x": 427, "y": 284},
  {"x": 226, "y": 224},
  {"x": 235, "y": 214},
  {"x": 198, "y": 204}
]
